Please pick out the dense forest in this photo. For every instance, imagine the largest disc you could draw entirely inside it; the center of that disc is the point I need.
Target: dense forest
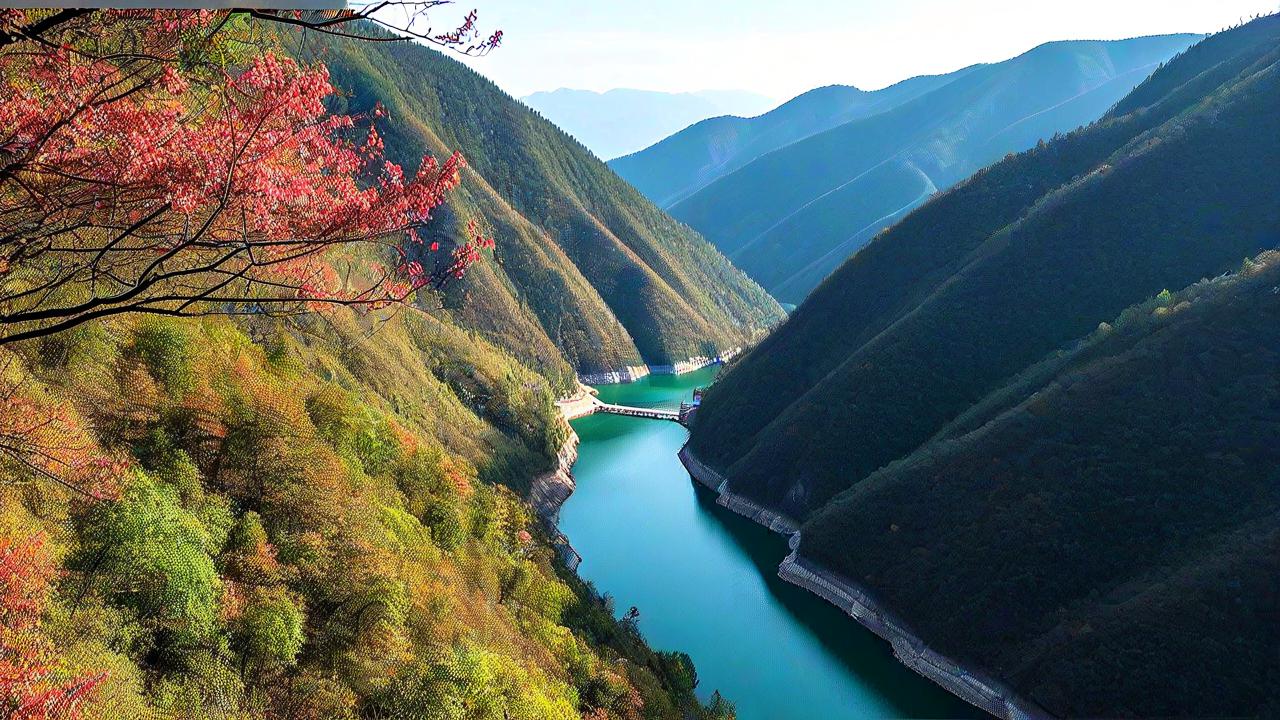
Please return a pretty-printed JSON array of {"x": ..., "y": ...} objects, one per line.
[
  {"x": 988, "y": 278},
  {"x": 234, "y": 484},
  {"x": 931, "y": 405},
  {"x": 309, "y": 526},
  {"x": 860, "y": 177},
  {"x": 1116, "y": 502}
]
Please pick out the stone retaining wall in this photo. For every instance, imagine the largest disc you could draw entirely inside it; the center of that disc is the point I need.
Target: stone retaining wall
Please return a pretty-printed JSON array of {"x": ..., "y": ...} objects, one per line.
[
  {"x": 982, "y": 692},
  {"x": 548, "y": 492}
]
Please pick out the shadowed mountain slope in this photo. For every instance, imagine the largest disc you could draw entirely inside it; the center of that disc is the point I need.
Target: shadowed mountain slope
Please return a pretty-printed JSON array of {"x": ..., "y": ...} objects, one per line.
[
  {"x": 1056, "y": 512},
  {"x": 991, "y": 276},
  {"x": 1114, "y": 512}
]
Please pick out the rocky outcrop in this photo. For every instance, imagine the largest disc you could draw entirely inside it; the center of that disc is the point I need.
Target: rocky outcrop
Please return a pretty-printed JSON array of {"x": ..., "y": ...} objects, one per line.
[
  {"x": 549, "y": 491},
  {"x": 970, "y": 686}
]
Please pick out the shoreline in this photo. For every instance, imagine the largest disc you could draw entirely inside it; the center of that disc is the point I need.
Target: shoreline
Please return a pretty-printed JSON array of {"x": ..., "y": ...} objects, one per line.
[
  {"x": 975, "y": 688},
  {"x": 632, "y": 373},
  {"x": 549, "y": 491}
]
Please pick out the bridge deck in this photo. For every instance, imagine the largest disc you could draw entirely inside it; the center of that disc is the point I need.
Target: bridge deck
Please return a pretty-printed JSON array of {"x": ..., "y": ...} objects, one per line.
[{"x": 652, "y": 413}]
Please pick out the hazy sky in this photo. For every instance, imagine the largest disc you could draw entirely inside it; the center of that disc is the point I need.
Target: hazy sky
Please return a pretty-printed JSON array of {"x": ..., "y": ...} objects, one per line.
[{"x": 780, "y": 49}]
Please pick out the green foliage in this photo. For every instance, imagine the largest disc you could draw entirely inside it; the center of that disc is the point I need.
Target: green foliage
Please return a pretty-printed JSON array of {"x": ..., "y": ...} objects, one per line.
[
  {"x": 165, "y": 347},
  {"x": 333, "y": 412},
  {"x": 679, "y": 667},
  {"x": 310, "y": 541},
  {"x": 153, "y": 557},
  {"x": 467, "y": 684},
  {"x": 443, "y": 518},
  {"x": 269, "y": 632}
]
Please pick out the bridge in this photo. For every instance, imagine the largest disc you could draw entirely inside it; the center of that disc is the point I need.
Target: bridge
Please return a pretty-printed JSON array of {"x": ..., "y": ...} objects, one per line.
[
  {"x": 587, "y": 403},
  {"x": 641, "y": 412}
]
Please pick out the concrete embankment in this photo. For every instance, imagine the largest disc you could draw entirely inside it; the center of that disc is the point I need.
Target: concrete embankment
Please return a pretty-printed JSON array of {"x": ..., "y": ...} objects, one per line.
[
  {"x": 973, "y": 687},
  {"x": 631, "y": 373},
  {"x": 745, "y": 507},
  {"x": 549, "y": 491},
  {"x": 628, "y": 374}
]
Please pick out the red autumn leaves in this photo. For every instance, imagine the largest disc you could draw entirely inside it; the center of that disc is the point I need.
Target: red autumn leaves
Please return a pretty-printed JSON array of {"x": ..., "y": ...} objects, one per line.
[
  {"x": 32, "y": 686},
  {"x": 160, "y": 185}
]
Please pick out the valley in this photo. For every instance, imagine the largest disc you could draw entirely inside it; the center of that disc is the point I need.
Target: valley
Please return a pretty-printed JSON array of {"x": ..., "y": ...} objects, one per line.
[
  {"x": 705, "y": 579},
  {"x": 337, "y": 383}
]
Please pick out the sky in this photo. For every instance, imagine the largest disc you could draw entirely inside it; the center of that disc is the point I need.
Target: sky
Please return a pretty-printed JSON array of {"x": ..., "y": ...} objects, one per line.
[{"x": 780, "y": 49}]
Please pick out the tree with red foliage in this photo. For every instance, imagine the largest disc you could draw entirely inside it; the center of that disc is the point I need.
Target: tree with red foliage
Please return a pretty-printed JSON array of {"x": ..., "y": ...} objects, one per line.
[
  {"x": 31, "y": 686},
  {"x": 144, "y": 168}
]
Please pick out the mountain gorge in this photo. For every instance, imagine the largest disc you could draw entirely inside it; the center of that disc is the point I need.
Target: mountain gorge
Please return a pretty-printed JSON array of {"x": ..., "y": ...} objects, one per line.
[
  {"x": 285, "y": 420},
  {"x": 932, "y": 406},
  {"x": 862, "y": 175}
]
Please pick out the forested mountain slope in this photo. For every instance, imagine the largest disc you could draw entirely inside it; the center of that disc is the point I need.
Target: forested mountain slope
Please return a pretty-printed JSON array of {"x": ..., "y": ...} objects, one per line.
[
  {"x": 988, "y": 278},
  {"x": 584, "y": 264},
  {"x": 684, "y": 163},
  {"x": 848, "y": 183},
  {"x": 1112, "y": 513},
  {"x": 310, "y": 510},
  {"x": 308, "y": 520}
]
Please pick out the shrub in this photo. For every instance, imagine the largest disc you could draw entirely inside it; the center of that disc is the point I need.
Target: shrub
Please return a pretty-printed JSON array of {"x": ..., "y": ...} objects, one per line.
[
  {"x": 165, "y": 348},
  {"x": 269, "y": 632}
]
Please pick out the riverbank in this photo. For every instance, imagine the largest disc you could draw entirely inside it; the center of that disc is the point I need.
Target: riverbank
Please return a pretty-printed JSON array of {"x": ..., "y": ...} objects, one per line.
[
  {"x": 967, "y": 684},
  {"x": 632, "y": 373},
  {"x": 549, "y": 491}
]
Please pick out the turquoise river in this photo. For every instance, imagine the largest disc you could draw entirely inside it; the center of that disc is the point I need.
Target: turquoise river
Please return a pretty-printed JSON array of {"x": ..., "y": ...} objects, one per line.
[{"x": 705, "y": 582}]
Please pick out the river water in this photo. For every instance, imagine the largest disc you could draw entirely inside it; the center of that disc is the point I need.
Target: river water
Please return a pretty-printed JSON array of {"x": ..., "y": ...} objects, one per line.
[{"x": 705, "y": 580}]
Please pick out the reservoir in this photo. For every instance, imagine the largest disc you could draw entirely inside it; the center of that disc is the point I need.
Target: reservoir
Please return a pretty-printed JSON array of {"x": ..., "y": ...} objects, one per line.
[{"x": 705, "y": 580}]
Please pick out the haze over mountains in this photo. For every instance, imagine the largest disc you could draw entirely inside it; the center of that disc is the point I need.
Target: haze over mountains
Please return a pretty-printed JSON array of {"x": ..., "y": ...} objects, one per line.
[
  {"x": 856, "y": 162},
  {"x": 998, "y": 402},
  {"x": 622, "y": 121}
]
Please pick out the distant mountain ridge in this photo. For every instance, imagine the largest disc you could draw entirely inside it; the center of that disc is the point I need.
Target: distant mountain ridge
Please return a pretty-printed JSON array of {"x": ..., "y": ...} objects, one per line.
[
  {"x": 846, "y": 183},
  {"x": 684, "y": 163},
  {"x": 622, "y": 121}
]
